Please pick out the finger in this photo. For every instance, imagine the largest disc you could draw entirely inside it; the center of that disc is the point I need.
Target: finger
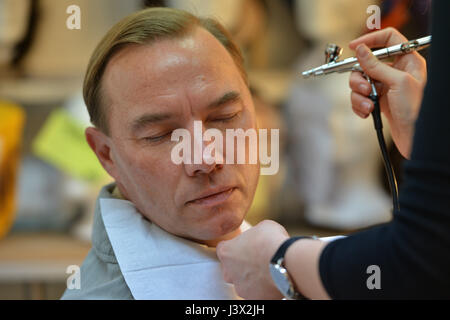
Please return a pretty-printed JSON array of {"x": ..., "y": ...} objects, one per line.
[
  {"x": 359, "y": 114},
  {"x": 361, "y": 105},
  {"x": 414, "y": 64},
  {"x": 359, "y": 84},
  {"x": 376, "y": 69},
  {"x": 389, "y": 37},
  {"x": 382, "y": 38},
  {"x": 227, "y": 278},
  {"x": 220, "y": 248}
]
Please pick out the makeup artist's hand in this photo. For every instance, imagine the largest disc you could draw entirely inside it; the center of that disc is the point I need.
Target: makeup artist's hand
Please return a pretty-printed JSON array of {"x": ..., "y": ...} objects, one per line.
[
  {"x": 399, "y": 84},
  {"x": 245, "y": 260}
]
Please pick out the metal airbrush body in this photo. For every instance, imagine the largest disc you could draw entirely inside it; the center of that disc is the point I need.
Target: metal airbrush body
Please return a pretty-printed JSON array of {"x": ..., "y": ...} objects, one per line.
[{"x": 333, "y": 52}]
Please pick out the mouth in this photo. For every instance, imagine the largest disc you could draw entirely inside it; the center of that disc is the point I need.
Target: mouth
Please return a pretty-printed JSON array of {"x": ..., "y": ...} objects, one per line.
[{"x": 213, "y": 197}]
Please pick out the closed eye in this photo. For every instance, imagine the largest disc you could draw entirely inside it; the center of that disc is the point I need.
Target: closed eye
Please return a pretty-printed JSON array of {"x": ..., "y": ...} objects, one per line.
[
  {"x": 227, "y": 118},
  {"x": 158, "y": 138}
]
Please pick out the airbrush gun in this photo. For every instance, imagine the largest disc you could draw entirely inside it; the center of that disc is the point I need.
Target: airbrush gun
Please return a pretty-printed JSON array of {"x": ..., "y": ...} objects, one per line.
[
  {"x": 333, "y": 52},
  {"x": 332, "y": 65}
]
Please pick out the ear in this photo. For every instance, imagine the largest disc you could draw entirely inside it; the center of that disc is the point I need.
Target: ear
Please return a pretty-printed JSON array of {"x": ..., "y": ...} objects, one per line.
[{"x": 100, "y": 143}]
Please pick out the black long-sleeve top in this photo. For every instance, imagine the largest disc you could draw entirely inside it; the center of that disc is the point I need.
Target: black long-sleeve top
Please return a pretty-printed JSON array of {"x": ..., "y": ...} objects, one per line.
[{"x": 413, "y": 250}]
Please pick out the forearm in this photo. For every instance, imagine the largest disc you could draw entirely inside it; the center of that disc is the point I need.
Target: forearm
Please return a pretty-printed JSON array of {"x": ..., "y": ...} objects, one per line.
[{"x": 302, "y": 263}]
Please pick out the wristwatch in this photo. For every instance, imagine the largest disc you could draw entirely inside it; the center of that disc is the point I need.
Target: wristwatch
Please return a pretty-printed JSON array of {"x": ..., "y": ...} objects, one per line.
[{"x": 279, "y": 273}]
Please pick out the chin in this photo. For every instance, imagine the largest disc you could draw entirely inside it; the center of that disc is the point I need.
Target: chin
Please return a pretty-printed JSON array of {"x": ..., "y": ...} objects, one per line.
[{"x": 223, "y": 224}]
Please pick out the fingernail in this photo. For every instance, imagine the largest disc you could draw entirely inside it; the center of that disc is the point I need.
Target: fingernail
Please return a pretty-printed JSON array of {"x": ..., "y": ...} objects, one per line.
[
  {"x": 363, "y": 88},
  {"x": 366, "y": 106},
  {"x": 362, "y": 51}
]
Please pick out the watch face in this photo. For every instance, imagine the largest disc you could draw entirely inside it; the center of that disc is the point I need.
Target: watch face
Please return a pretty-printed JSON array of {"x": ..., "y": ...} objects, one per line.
[{"x": 280, "y": 277}]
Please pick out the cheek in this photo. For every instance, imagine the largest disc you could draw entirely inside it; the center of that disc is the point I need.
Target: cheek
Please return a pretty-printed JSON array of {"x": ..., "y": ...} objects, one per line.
[
  {"x": 251, "y": 174},
  {"x": 142, "y": 173}
]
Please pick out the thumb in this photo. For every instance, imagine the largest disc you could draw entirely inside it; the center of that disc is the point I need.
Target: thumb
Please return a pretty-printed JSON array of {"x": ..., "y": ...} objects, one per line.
[
  {"x": 376, "y": 69},
  {"x": 220, "y": 249}
]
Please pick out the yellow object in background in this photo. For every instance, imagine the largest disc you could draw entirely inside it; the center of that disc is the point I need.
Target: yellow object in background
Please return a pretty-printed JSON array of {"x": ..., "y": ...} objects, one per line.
[
  {"x": 11, "y": 123},
  {"x": 61, "y": 142}
]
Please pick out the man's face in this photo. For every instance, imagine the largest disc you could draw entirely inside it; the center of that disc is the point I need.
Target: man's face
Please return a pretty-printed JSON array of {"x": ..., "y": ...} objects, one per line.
[{"x": 151, "y": 91}]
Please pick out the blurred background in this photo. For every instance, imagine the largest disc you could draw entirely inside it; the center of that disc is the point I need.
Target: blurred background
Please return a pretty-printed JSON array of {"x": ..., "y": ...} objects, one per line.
[{"x": 331, "y": 178}]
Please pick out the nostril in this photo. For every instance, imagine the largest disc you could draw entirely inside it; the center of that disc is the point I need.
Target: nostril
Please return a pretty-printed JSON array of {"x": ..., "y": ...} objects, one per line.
[{"x": 197, "y": 169}]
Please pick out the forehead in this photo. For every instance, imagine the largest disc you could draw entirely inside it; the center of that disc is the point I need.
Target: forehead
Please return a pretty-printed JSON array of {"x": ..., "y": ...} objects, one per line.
[{"x": 195, "y": 65}]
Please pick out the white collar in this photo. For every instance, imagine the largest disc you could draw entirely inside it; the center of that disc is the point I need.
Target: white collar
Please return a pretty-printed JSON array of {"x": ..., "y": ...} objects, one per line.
[{"x": 157, "y": 264}]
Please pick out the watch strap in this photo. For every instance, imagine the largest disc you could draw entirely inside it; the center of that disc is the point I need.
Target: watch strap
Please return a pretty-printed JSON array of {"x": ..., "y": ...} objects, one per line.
[{"x": 279, "y": 254}]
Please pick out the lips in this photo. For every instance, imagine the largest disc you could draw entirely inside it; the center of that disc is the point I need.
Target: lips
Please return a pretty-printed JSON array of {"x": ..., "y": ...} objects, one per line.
[{"x": 213, "y": 197}]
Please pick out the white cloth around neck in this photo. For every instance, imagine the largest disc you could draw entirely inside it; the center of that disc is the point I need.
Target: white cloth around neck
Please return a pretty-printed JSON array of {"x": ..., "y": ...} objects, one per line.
[{"x": 158, "y": 265}]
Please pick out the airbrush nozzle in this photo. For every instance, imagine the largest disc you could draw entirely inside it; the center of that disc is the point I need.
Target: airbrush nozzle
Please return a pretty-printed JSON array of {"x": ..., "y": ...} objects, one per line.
[{"x": 306, "y": 74}]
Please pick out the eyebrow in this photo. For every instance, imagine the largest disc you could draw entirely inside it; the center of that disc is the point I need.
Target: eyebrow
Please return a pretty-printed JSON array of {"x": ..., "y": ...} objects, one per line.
[
  {"x": 147, "y": 119},
  {"x": 228, "y": 97}
]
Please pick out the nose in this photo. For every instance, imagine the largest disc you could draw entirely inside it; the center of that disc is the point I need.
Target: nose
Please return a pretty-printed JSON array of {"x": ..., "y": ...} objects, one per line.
[
  {"x": 203, "y": 162},
  {"x": 202, "y": 168}
]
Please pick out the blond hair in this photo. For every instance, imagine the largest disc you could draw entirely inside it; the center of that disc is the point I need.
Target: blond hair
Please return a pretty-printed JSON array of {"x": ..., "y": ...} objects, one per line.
[{"x": 145, "y": 27}]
